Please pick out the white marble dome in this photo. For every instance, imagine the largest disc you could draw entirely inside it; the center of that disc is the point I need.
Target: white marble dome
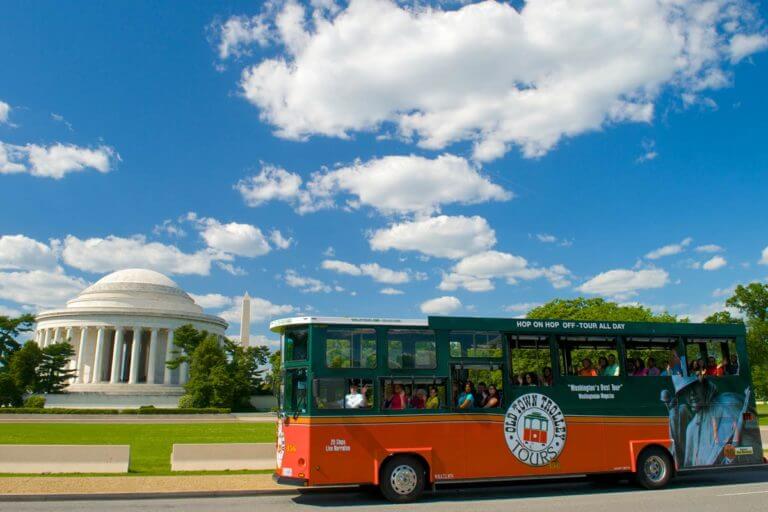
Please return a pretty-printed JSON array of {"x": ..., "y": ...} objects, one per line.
[
  {"x": 121, "y": 328},
  {"x": 135, "y": 289}
]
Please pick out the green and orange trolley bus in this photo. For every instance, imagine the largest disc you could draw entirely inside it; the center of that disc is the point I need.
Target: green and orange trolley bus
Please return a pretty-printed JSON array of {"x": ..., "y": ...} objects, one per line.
[{"x": 412, "y": 404}]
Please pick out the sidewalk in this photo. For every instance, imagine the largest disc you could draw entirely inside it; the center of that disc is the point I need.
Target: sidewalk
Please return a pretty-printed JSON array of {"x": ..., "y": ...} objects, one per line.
[{"x": 52, "y": 486}]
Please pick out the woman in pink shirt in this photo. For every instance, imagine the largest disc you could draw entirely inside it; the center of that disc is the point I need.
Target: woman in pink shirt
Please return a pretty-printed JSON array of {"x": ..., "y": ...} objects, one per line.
[{"x": 398, "y": 400}]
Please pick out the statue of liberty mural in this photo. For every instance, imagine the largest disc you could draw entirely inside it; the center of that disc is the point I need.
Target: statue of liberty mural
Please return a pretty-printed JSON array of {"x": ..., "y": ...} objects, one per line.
[{"x": 707, "y": 426}]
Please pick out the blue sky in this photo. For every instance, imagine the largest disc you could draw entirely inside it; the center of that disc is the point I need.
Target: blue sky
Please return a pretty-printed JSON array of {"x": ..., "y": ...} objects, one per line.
[{"x": 469, "y": 159}]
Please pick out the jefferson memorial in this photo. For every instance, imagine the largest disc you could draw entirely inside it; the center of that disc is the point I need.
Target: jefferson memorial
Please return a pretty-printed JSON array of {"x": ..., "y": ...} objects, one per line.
[{"x": 121, "y": 329}]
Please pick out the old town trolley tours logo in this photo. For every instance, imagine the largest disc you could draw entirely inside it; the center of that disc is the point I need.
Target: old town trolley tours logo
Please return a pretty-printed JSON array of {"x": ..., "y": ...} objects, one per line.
[{"x": 534, "y": 428}]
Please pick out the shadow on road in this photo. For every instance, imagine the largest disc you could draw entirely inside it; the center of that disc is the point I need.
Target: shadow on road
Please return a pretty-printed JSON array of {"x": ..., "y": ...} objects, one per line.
[{"x": 356, "y": 497}]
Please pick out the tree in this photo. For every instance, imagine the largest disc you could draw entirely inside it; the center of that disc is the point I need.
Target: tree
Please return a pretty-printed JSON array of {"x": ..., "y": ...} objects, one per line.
[
  {"x": 23, "y": 366},
  {"x": 10, "y": 329},
  {"x": 598, "y": 309},
  {"x": 185, "y": 340},
  {"x": 722, "y": 317},
  {"x": 752, "y": 300},
  {"x": 53, "y": 371},
  {"x": 10, "y": 395},
  {"x": 274, "y": 378},
  {"x": 210, "y": 384}
]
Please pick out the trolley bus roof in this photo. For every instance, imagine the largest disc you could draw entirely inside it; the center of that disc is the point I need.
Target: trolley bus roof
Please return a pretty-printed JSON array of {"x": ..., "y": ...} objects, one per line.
[{"x": 524, "y": 325}]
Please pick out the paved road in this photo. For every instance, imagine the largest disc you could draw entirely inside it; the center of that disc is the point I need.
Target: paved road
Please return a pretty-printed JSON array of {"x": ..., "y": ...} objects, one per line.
[{"x": 742, "y": 491}]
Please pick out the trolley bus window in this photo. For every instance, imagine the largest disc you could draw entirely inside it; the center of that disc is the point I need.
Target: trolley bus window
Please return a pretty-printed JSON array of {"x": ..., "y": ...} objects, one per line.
[
  {"x": 419, "y": 393},
  {"x": 652, "y": 357},
  {"x": 343, "y": 393},
  {"x": 350, "y": 348},
  {"x": 714, "y": 357},
  {"x": 477, "y": 386},
  {"x": 475, "y": 344},
  {"x": 407, "y": 349},
  {"x": 295, "y": 343},
  {"x": 530, "y": 361},
  {"x": 295, "y": 389},
  {"x": 588, "y": 356}
]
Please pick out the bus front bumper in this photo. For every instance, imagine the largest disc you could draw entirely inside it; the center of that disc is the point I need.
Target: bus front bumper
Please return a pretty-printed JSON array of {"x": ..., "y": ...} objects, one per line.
[{"x": 289, "y": 480}]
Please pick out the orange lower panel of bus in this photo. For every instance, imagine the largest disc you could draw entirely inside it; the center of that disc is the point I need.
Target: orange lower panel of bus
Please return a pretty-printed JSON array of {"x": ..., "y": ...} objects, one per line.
[{"x": 335, "y": 451}]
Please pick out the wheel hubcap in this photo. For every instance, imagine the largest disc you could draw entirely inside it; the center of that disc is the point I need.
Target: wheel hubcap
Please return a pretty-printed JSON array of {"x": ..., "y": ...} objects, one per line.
[
  {"x": 403, "y": 480},
  {"x": 655, "y": 468}
]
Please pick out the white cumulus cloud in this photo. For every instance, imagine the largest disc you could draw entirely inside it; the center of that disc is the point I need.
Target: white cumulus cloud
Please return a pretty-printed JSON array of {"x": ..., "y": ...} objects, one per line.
[
  {"x": 272, "y": 183},
  {"x": 374, "y": 270},
  {"x": 55, "y": 161},
  {"x": 18, "y": 252},
  {"x": 306, "y": 284},
  {"x": 490, "y": 73},
  {"x": 714, "y": 263},
  {"x": 669, "y": 250},
  {"x": 39, "y": 287},
  {"x": 440, "y": 306},
  {"x": 442, "y": 236},
  {"x": 114, "y": 253},
  {"x": 392, "y": 184},
  {"x": 476, "y": 273},
  {"x": 709, "y": 248},
  {"x": 234, "y": 238},
  {"x": 744, "y": 45},
  {"x": 623, "y": 283},
  {"x": 236, "y": 34},
  {"x": 5, "y": 111},
  {"x": 407, "y": 184},
  {"x": 211, "y": 300}
]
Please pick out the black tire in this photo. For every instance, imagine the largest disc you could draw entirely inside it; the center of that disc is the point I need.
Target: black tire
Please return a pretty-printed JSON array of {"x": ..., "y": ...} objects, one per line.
[
  {"x": 654, "y": 468},
  {"x": 402, "y": 479}
]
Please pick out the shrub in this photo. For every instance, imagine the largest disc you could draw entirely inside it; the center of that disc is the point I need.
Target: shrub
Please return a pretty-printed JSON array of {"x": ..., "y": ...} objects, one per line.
[
  {"x": 35, "y": 402},
  {"x": 186, "y": 402}
]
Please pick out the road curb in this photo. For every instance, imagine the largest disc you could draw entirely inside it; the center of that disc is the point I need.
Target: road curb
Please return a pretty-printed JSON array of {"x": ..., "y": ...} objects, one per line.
[{"x": 10, "y": 498}]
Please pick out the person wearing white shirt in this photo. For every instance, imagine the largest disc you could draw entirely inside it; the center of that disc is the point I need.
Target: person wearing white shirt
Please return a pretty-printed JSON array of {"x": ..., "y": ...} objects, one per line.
[{"x": 355, "y": 399}]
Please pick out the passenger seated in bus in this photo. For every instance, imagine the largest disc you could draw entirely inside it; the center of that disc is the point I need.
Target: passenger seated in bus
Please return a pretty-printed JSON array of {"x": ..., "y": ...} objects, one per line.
[
  {"x": 612, "y": 370},
  {"x": 518, "y": 380},
  {"x": 398, "y": 400},
  {"x": 673, "y": 366},
  {"x": 732, "y": 366},
  {"x": 712, "y": 369},
  {"x": 433, "y": 402},
  {"x": 494, "y": 400},
  {"x": 546, "y": 376},
  {"x": 419, "y": 399},
  {"x": 638, "y": 368},
  {"x": 467, "y": 397},
  {"x": 586, "y": 368},
  {"x": 602, "y": 364},
  {"x": 481, "y": 396},
  {"x": 356, "y": 399},
  {"x": 531, "y": 379},
  {"x": 653, "y": 371}
]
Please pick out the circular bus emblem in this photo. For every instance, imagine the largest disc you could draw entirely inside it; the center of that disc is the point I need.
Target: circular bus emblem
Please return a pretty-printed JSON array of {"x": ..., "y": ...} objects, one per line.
[{"x": 534, "y": 428}]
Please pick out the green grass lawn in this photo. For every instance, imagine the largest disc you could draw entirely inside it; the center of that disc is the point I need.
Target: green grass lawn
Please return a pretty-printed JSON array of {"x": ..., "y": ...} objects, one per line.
[
  {"x": 150, "y": 443},
  {"x": 762, "y": 413}
]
